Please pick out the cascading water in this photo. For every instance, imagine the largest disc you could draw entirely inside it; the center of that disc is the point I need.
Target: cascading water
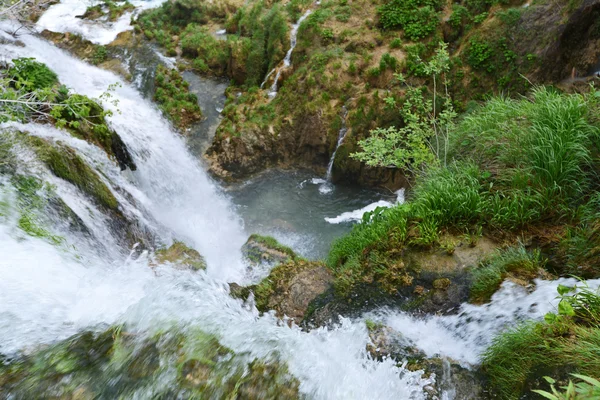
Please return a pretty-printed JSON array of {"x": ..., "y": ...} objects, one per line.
[
  {"x": 341, "y": 137},
  {"x": 63, "y": 17},
  {"x": 49, "y": 291},
  {"x": 287, "y": 61},
  {"x": 326, "y": 186}
]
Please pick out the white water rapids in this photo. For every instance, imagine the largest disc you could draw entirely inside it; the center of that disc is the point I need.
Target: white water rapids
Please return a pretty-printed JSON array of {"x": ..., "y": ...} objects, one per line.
[{"x": 49, "y": 292}]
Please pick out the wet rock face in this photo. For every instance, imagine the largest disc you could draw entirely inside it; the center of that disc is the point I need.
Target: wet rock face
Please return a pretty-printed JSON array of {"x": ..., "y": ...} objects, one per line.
[
  {"x": 293, "y": 283},
  {"x": 301, "y": 143},
  {"x": 289, "y": 289},
  {"x": 451, "y": 379},
  {"x": 577, "y": 48}
]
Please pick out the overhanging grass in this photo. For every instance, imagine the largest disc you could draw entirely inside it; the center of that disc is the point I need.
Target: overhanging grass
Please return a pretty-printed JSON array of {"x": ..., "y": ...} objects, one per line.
[{"x": 514, "y": 260}]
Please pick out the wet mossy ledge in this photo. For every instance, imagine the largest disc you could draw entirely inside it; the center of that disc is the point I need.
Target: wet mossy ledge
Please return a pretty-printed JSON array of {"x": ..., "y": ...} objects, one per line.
[
  {"x": 66, "y": 164},
  {"x": 116, "y": 362},
  {"x": 107, "y": 9},
  {"x": 180, "y": 255},
  {"x": 52, "y": 102}
]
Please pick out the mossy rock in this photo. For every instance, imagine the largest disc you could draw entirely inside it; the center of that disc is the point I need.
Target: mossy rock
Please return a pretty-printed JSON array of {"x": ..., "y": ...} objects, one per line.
[
  {"x": 289, "y": 289},
  {"x": 117, "y": 364},
  {"x": 181, "y": 255},
  {"x": 266, "y": 249},
  {"x": 66, "y": 164}
]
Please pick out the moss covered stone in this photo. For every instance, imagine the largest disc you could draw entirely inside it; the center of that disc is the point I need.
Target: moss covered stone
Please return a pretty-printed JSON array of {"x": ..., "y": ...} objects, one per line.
[
  {"x": 259, "y": 249},
  {"x": 290, "y": 288},
  {"x": 181, "y": 255},
  {"x": 120, "y": 364},
  {"x": 67, "y": 165}
]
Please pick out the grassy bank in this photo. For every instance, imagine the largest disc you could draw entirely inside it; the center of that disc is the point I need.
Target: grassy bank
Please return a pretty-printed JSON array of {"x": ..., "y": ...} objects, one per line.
[{"x": 522, "y": 168}]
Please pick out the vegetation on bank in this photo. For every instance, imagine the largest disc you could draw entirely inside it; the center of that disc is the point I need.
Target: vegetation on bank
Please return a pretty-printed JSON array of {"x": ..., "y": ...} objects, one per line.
[
  {"x": 525, "y": 167},
  {"x": 109, "y": 8},
  {"x": 32, "y": 92},
  {"x": 174, "y": 99},
  {"x": 565, "y": 343},
  {"x": 258, "y": 40}
]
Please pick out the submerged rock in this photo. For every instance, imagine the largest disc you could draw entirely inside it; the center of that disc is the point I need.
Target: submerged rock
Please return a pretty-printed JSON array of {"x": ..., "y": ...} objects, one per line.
[
  {"x": 452, "y": 380},
  {"x": 167, "y": 364},
  {"x": 181, "y": 256}
]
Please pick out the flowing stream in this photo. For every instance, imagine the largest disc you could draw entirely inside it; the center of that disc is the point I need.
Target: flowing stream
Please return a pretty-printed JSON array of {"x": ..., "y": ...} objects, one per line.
[
  {"x": 287, "y": 61},
  {"x": 51, "y": 291}
]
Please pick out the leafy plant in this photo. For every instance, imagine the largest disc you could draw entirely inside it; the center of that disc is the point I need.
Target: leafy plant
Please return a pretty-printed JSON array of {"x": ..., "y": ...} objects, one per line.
[
  {"x": 418, "y": 18},
  {"x": 587, "y": 389},
  {"x": 423, "y": 138}
]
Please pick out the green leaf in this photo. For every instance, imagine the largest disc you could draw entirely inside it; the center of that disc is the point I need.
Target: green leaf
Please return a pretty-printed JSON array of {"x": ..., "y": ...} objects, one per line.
[
  {"x": 549, "y": 380},
  {"x": 588, "y": 379},
  {"x": 562, "y": 290},
  {"x": 545, "y": 394},
  {"x": 550, "y": 318},
  {"x": 564, "y": 308}
]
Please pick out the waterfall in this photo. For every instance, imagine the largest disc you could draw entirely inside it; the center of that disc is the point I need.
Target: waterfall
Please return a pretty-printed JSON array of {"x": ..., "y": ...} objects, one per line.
[
  {"x": 63, "y": 17},
  {"x": 341, "y": 136},
  {"x": 326, "y": 187},
  {"x": 49, "y": 292},
  {"x": 287, "y": 61}
]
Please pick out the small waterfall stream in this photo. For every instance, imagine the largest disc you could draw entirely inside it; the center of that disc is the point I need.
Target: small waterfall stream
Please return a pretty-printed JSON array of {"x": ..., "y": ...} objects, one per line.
[
  {"x": 327, "y": 187},
  {"x": 341, "y": 137},
  {"x": 287, "y": 61}
]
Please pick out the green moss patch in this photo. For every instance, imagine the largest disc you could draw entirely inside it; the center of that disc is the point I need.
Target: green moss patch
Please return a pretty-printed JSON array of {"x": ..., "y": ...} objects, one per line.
[
  {"x": 180, "y": 254},
  {"x": 174, "y": 99},
  {"x": 67, "y": 165}
]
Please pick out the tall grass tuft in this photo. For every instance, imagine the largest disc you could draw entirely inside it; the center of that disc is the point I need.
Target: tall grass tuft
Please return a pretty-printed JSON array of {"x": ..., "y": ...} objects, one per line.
[{"x": 514, "y": 260}]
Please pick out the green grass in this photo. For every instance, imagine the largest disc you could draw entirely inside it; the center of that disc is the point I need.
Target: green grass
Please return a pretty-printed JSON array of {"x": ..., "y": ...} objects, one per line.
[
  {"x": 517, "y": 261},
  {"x": 518, "y": 164},
  {"x": 561, "y": 346}
]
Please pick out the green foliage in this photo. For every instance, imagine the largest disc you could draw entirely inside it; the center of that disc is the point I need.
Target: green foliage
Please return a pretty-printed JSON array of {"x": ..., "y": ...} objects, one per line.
[
  {"x": 511, "y": 16},
  {"x": 418, "y": 18},
  {"x": 516, "y": 261},
  {"x": 460, "y": 15},
  {"x": 539, "y": 149},
  {"x": 174, "y": 99},
  {"x": 423, "y": 137},
  {"x": 31, "y": 75},
  {"x": 450, "y": 196},
  {"x": 479, "y": 55},
  {"x": 560, "y": 344},
  {"x": 396, "y": 43},
  {"x": 587, "y": 389},
  {"x": 99, "y": 55}
]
